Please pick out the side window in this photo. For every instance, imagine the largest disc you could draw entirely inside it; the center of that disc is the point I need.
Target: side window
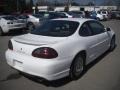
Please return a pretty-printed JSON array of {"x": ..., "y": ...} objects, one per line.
[
  {"x": 26, "y": 17},
  {"x": 85, "y": 30},
  {"x": 96, "y": 27}
]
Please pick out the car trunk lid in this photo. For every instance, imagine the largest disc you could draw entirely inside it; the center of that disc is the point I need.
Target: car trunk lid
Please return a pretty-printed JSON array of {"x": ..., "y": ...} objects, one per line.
[{"x": 27, "y": 43}]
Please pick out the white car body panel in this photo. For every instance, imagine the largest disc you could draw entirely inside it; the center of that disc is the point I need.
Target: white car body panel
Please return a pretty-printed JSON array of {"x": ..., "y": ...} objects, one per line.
[
  {"x": 105, "y": 14},
  {"x": 67, "y": 48}
]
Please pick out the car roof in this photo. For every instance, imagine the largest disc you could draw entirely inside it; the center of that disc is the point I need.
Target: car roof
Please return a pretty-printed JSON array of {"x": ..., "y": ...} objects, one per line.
[
  {"x": 2, "y": 16},
  {"x": 80, "y": 20}
]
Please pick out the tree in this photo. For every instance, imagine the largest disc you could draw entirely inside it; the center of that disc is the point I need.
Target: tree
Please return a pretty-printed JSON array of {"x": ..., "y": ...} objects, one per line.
[
  {"x": 90, "y": 4},
  {"x": 50, "y": 8},
  {"x": 22, "y": 5},
  {"x": 36, "y": 8},
  {"x": 66, "y": 8},
  {"x": 11, "y": 6},
  {"x": 29, "y": 5}
]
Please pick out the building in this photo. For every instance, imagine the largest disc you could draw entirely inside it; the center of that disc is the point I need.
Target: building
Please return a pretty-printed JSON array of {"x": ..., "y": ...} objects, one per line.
[{"x": 78, "y": 8}]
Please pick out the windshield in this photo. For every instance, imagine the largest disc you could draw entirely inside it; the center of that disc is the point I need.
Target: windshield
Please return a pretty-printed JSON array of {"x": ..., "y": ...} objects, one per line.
[{"x": 56, "y": 28}]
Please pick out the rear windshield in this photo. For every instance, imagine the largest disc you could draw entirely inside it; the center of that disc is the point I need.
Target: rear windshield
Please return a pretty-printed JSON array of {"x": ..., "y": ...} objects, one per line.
[
  {"x": 9, "y": 18},
  {"x": 37, "y": 15},
  {"x": 56, "y": 28}
]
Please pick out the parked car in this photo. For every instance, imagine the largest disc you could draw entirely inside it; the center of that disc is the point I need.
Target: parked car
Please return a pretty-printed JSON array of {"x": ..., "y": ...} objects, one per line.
[
  {"x": 105, "y": 14},
  {"x": 9, "y": 22},
  {"x": 59, "y": 48},
  {"x": 32, "y": 20},
  {"x": 66, "y": 14},
  {"x": 77, "y": 14},
  {"x": 51, "y": 15},
  {"x": 22, "y": 18},
  {"x": 115, "y": 14},
  {"x": 42, "y": 13},
  {"x": 97, "y": 16},
  {"x": 54, "y": 15},
  {"x": 118, "y": 15}
]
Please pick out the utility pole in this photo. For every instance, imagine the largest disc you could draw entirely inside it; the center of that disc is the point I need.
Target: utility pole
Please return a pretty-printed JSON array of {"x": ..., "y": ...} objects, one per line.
[{"x": 94, "y": 2}]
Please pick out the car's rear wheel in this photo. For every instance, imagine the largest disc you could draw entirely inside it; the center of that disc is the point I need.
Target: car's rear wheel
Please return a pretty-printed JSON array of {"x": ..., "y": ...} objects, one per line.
[
  {"x": 30, "y": 27},
  {"x": 77, "y": 68},
  {"x": 112, "y": 44}
]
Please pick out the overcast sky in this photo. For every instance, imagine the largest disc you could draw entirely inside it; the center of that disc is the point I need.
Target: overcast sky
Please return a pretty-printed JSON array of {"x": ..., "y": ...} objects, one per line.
[
  {"x": 86, "y": 1},
  {"x": 80, "y": 1}
]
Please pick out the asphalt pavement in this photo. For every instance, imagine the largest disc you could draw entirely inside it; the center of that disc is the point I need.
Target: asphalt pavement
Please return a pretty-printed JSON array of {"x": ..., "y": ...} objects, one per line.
[{"x": 102, "y": 74}]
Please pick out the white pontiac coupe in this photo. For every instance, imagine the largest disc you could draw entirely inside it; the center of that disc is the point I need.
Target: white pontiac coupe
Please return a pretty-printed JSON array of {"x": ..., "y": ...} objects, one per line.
[
  {"x": 9, "y": 23},
  {"x": 59, "y": 48}
]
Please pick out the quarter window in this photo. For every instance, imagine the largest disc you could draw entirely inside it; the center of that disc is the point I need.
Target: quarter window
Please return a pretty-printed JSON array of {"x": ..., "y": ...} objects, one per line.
[
  {"x": 96, "y": 27},
  {"x": 85, "y": 30}
]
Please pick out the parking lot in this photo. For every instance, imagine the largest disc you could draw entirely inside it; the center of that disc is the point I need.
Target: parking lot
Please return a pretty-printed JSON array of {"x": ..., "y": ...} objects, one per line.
[{"x": 102, "y": 74}]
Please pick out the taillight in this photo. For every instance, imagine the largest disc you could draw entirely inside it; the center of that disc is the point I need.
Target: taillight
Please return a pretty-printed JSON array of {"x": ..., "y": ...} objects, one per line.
[
  {"x": 45, "y": 52},
  {"x": 10, "y": 46}
]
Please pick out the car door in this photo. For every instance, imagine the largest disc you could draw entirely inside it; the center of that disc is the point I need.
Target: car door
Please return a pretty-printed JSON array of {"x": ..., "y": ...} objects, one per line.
[
  {"x": 101, "y": 35},
  {"x": 90, "y": 41}
]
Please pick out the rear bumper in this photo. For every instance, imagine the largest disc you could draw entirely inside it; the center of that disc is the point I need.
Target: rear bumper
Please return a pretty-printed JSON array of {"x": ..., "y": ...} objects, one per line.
[
  {"x": 47, "y": 69},
  {"x": 6, "y": 29}
]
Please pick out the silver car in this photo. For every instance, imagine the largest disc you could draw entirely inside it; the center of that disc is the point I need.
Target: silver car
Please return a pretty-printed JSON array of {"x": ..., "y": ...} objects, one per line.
[{"x": 9, "y": 22}]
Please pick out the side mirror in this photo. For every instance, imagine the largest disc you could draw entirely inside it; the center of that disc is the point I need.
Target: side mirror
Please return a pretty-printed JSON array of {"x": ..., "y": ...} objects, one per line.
[{"x": 108, "y": 29}]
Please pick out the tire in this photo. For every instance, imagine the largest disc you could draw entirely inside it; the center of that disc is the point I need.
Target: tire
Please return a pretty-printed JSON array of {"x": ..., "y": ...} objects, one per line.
[
  {"x": 30, "y": 27},
  {"x": 112, "y": 44},
  {"x": 77, "y": 68},
  {"x": 1, "y": 32}
]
